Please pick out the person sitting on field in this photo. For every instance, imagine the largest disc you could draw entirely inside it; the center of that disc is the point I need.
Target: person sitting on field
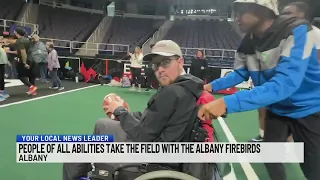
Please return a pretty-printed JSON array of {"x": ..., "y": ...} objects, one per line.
[{"x": 168, "y": 112}]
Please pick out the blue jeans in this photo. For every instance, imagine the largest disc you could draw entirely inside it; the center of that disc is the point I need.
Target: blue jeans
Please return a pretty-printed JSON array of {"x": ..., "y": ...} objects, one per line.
[
  {"x": 11, "y": 71},
  {"x": 43, "y": 71},
  {"x": 55, "y": 80}
]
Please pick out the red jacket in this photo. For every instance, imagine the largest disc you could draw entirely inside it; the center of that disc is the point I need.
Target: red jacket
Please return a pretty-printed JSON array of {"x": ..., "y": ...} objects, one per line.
[{"x": 87, "y": 73}]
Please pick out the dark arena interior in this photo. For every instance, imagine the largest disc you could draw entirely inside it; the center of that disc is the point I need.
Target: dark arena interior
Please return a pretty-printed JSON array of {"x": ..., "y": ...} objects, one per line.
[{"x": 92, "y": 39}]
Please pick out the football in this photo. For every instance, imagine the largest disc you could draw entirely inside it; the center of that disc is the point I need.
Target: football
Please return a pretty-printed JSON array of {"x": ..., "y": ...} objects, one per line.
[{"x": 110, "y": 97}]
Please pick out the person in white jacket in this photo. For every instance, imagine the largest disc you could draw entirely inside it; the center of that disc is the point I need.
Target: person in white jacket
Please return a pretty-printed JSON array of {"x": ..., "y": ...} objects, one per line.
[
  {"x": 136, "y": 66},
  {"x": 3, "y": 62}
]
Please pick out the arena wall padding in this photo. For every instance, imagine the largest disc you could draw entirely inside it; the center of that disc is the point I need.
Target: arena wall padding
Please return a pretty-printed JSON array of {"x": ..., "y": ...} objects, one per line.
[{"x": 119, "y": 68}]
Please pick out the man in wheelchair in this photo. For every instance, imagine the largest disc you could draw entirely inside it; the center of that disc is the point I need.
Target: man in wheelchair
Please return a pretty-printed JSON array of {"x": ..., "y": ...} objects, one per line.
[{"x": 170, "y": 116}]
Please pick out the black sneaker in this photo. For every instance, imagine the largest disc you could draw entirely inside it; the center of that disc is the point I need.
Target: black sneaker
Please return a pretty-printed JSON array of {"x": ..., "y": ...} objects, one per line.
[
  {"x": 256, "y": 139},
  {"x": 147, "y": 90}
]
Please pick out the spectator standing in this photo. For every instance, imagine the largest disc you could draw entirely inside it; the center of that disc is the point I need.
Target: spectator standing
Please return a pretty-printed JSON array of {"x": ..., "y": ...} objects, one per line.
[
  {"x": 3, "y": 61},
  {"x": 199, "y": 65},
  {"x": 53, "y": 66},
  {"x": 136, "y": 66},
  {"x": 150, "y": 74},
  {"x": 39, "y": 54}
]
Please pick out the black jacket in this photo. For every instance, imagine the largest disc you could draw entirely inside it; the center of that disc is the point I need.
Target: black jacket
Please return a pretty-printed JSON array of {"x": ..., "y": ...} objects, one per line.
[
  {"x": 165, "y": 119},
  {"x": 11, "y": 56},
  {"x": 167, "y": 114},
  {"x": 196, "y": 70}
]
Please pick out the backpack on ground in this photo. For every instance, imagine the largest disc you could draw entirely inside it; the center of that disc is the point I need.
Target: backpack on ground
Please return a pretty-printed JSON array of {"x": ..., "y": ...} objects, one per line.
[{"x": 125, "y": 82}]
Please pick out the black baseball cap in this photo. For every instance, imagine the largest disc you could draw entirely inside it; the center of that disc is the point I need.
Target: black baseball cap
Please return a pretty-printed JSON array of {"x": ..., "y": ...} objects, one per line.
[{"x": 20, "y": 31}]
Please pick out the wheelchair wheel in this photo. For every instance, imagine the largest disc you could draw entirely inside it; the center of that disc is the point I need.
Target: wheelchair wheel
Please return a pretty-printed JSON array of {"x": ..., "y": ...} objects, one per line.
[{"x": 166, "y": 174}]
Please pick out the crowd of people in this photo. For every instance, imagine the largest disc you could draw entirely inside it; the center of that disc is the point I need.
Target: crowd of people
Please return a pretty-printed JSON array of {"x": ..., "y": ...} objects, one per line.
[{"x": 27, "y": 58}]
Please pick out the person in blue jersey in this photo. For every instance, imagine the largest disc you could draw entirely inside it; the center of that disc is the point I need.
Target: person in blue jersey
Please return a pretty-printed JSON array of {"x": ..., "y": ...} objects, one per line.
[
  {"x": 279, "y": 53},
  {"x": 300, "y": 10}
]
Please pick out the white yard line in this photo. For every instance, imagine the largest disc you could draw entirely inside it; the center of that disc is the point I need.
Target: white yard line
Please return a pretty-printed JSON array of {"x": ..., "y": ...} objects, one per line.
[
  {"x": 51, "y": 95},
  {"x": 247, "y": 168}
]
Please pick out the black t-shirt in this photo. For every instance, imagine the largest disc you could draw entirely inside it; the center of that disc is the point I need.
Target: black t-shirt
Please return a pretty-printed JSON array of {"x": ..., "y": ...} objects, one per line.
[
  {"x": 23, "y": 43},
  {"x": 10, "y": 55}
]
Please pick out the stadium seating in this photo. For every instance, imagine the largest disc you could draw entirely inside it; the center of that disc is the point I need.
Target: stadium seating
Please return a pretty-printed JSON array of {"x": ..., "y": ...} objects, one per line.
[
  {"x": 130, "y": 31},
  {"x": 211, "y": 34},
  {"x": 59, "y": 23},
  {"x": 66, "y": 24},
  {"x": 10, "y": 9}
]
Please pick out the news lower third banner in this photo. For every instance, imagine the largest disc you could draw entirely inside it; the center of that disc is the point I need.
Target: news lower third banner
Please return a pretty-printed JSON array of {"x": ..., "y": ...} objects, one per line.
[{"x": 102, "y": 149}]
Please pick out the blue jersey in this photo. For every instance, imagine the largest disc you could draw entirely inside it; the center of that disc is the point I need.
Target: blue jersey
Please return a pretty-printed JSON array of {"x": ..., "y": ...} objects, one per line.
[{"x": 284, "y": 67}]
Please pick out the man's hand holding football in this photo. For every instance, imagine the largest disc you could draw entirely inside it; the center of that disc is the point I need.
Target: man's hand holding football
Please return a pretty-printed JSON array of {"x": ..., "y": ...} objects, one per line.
[{"x": 113, "y": 104}]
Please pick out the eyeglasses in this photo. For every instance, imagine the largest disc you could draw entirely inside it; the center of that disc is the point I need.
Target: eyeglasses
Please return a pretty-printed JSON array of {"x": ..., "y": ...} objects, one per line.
[{"x": 164, "y": 64}]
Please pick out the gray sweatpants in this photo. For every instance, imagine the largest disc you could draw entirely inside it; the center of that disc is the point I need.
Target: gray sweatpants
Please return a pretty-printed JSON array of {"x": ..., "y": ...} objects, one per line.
[
  {"x": 55, "y": 80},
  {"x": 72, "y": 171}
]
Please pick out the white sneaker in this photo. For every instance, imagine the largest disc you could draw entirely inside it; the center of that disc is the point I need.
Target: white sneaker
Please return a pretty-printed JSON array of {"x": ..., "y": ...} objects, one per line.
[
  {"x": 61, "y": 88},
  {"x": 4, "y": 94},
  {"x": 2, "y": 99},
  {"x": 132, "y": 89},
  {"x": 54, "y": 88}
]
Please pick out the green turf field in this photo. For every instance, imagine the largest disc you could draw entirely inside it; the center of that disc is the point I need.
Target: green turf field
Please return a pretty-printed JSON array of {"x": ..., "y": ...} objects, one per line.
[{"x": 66, "y": 114}]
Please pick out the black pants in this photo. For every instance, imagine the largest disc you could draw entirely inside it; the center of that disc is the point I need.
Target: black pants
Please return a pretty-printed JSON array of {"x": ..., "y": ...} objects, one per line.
[
  {"x": 306, "y": 130},
  {"x": 150, "y": 77},
  {"x": 2, "y": 69},
  {"x": 136, "y": 75},
  {"x": 27, "y": 76}
]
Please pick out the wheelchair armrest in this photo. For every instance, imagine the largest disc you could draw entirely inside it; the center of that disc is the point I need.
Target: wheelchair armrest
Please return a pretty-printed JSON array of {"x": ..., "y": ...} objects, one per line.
[{"x": 165, "y": 174}]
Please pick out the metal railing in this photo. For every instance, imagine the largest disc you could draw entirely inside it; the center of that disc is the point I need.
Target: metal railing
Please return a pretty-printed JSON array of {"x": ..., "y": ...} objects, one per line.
[
  {"x": 54, "y": 3},
  {"x": 96, "y": 33},
  {"x": 63, "y": 44},
  {"x": 223, "y": 15},
  {"x": 99, "y": 47},
  {"x": 87, "y": 46},
  {"x": 118, "y": 13},
  {"x": 4, "y": 23},
  {"x": 215, "y": 53},
  {"x": 158, "y": 35},
  {"x": 104, "y": 47},
  {"x": 27, "y": 12}
]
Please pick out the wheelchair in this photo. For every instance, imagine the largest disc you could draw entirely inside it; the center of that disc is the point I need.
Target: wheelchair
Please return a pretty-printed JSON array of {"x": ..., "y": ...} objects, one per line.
[
  {"x": 204, "y": 171},
  {"x": 178, "y": 171},
  {"x": 155, "y": 171}
]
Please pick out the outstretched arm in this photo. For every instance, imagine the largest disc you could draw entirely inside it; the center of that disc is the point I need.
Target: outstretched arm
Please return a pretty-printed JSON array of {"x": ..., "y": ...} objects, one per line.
[
  {"x": 288, "y": 77},
  {"x": 236, "y": 77}
]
